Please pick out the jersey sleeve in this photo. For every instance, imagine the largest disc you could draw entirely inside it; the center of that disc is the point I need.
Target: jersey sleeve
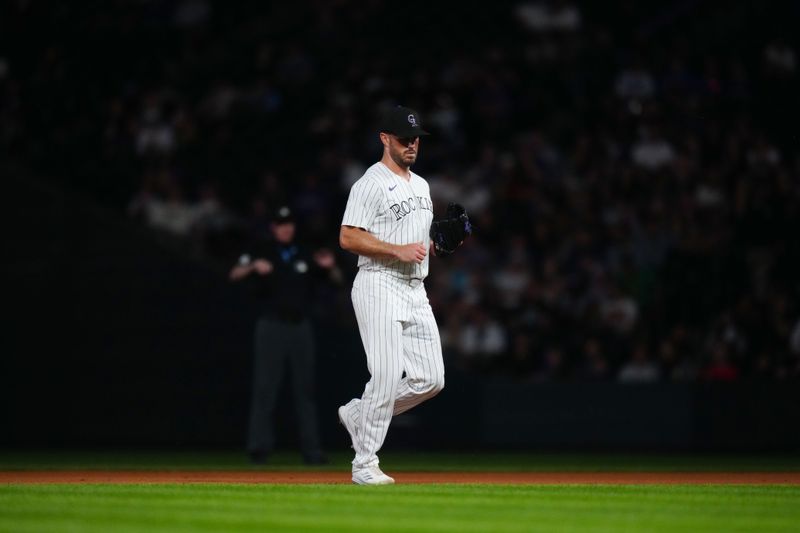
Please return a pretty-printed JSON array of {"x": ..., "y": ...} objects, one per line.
[{"x": 363, "y": 205}]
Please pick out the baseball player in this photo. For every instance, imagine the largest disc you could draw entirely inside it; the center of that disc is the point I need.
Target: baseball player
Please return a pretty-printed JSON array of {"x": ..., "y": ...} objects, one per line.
[{"x": 388, "y": 223}]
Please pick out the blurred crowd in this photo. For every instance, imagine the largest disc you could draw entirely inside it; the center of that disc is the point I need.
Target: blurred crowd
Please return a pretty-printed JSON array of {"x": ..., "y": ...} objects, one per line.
[{"x": 631, "y": 170}]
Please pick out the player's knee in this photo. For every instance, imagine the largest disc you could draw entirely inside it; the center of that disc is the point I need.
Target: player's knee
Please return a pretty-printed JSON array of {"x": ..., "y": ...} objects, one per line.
[
  {"x": 437, "y": 385},
  {"x": 427, "y": 386}
]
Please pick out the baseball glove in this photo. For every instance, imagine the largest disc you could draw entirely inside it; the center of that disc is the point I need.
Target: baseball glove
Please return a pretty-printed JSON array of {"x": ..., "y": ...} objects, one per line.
[{"x": 448, "y": 232}]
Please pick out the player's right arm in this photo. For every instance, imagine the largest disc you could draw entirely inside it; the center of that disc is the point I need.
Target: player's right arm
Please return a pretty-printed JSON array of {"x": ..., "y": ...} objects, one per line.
[{"x": 361, "y": 242}]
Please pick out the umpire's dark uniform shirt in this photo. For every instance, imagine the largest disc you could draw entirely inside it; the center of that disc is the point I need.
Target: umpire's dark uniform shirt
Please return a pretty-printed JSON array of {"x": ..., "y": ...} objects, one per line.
[
  {"x": 283, "y": 336},
  {"x": 286, "y": 293}
]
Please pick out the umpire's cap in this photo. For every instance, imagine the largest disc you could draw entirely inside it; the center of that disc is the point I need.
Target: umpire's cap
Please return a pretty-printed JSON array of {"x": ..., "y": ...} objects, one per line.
[
  {"x": 403, "y": 122},
  {"x": 283, "y": 215}
]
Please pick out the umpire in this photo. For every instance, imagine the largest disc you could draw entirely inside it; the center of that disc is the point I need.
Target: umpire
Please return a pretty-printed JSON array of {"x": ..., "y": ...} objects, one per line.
[{"x": 281, "y": 274}]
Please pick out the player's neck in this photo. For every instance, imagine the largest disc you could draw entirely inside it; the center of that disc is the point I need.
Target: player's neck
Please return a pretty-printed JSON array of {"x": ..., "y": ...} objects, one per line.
[{"x": 402, "y": 171}]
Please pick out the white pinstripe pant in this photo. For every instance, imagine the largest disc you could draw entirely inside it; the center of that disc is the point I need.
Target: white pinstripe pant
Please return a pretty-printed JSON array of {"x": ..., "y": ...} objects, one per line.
[{"x": 399, "y": 333}]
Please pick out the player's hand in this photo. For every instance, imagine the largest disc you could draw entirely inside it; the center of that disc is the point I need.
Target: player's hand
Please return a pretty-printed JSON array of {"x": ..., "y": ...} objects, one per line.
[
  {"x": 262, "y": 266},
  {"x": 412, "y": 253},
  {"x": 324, "y": 258}
]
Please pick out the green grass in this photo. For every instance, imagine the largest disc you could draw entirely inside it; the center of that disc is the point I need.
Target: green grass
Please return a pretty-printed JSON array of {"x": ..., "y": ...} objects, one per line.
[
  {"x": 402, "y": 462},
  {"x": 410, "y": 508}
]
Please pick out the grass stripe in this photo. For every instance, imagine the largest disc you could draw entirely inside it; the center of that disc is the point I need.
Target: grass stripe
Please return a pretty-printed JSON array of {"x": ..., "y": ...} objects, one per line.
[{"x": 457, "y": 508}]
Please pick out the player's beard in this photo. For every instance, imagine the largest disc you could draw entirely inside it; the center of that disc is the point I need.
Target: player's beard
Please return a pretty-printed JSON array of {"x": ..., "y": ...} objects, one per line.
[{"x": 403, "y": 159}]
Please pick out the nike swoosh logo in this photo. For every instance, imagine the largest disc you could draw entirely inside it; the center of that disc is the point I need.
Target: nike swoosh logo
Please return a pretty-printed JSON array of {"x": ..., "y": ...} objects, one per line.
[{"x": 392, "y": 188}]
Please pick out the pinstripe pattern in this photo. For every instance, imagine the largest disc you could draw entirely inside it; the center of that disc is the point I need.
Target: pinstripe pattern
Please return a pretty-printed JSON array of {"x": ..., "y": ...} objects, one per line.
[
  {"x": 371, "y": 206},
  {"x": 396, "y": 322}
]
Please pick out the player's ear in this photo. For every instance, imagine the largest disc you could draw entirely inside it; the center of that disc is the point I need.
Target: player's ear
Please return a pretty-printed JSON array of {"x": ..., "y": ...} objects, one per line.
[{"x": 384, "y": 139}]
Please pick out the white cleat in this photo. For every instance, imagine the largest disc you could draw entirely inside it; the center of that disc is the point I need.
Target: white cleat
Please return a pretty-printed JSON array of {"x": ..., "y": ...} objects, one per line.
[
  {"x": 348, "y": 424},
  {"x": 371, "y": 475}
]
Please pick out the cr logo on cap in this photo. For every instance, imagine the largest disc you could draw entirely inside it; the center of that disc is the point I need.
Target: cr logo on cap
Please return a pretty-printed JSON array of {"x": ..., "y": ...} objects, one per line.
[{"x": 412, "y": 120}]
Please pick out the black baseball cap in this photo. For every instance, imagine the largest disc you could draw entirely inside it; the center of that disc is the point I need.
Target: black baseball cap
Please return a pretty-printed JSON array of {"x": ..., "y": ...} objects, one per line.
[
  {"x": 403, "y": 122},
  {"x": 283, "y": 215}
]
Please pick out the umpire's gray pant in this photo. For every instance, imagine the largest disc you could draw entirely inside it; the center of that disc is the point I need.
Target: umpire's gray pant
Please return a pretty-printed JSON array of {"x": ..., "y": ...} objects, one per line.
[{"x": 277, "y": 342}]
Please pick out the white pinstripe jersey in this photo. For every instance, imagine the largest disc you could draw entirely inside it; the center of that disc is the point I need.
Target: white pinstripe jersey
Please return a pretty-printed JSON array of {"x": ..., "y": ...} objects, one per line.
[{"x": 395, "y": 211}]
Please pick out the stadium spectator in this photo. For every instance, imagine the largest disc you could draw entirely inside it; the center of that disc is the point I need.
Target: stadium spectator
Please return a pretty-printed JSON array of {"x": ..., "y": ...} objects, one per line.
[
  {"x": 630, "y": 174},
  {"x": 640, "y": 368}
]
